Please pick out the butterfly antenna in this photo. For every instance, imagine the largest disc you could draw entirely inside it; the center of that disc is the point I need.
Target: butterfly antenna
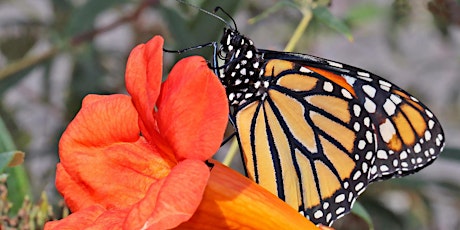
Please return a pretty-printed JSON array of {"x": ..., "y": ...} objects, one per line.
[
  {"x": 204, "y": 11},
  {"x": 228, "y": 15}
]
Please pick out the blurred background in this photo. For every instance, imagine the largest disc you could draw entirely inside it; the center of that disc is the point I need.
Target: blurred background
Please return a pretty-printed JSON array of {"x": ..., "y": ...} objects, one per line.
[{"x": 54, "y": 52}]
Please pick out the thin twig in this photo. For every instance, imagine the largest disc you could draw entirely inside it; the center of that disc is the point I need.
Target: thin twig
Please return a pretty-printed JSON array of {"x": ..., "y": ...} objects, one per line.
[
  {"x": 89, "y": 35},
  {"x": 307, "y": 15},
  {"x": 29, "y": 61}
]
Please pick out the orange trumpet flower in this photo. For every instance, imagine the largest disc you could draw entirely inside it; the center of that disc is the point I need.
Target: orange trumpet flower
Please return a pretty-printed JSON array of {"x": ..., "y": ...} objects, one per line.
[{"x": 138, "y": 161}]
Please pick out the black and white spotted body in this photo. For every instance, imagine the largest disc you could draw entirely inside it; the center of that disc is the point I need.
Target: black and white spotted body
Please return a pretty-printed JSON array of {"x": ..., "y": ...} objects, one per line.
[{"x": 243, "y": 69}]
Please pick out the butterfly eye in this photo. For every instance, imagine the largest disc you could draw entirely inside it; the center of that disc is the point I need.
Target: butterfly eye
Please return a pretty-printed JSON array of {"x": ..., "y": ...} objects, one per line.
[{"x": 221, "y": 53}]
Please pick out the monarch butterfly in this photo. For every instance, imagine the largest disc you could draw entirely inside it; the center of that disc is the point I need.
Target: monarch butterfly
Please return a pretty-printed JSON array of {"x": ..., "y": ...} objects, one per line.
[{"x": 317, "y": 132}]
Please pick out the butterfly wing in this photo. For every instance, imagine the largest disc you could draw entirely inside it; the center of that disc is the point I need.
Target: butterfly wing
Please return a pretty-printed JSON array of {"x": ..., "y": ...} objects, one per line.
[
  {"x": 324, "y": 130},
  {"x": 305, "y": 142},
  {"x": 408, "y": 135}
]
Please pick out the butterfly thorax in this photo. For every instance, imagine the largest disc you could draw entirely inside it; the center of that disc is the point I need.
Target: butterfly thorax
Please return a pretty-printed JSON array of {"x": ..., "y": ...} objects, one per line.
[{"x": 242, "y": 69}]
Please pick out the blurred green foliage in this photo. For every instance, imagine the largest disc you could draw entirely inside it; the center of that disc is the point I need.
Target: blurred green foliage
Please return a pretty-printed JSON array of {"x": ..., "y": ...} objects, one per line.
[{"x": 30, "y": 43}]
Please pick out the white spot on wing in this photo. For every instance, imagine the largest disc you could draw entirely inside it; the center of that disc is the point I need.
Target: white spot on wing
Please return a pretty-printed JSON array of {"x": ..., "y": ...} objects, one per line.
[
  {"x": 382, "y": 82},
  {"x": 369, "y": 136},
  {"x": 328, "y": 86},
  {"x": 387, "y": 130},
  {"x": 356, "y": 126},
  {"x": 396, "y": 99},
  {"x": 355, "y": 177},
  {"x": 369, "y": 155},
  {"x": 369, "y": 105},
  {"x": 389, "y": 107},
  {"x": 417, "y": 148},
  {"x": 369, "y": 90},
  {"x": 335, "y": 64},
  {"x": 318, "y": 214},
  {"x": 384, "y": 168},
  {"x": 382, "y": 154},
  {"x": 367, "y": 121},
  {"x": 361, "y": 144},
  {"x": 328, "y": 217},
  {"x": 384, "y": 87},
  {"x": 356, "y": 110},
  {"x": 364, "y": 74},
  {"x": 427, "y": 135},
  {"x": 364, "y": 167},
  {"x": 339, "y": 198},
  {"x": 350, "y": 80},
  {"x": 428, "y": 112},
  {"x": 346, "y": 94},
  {"x": 340, "y": 210},
  {"x": 305, "y": 70},
  {"x": 359, "y": 186}
]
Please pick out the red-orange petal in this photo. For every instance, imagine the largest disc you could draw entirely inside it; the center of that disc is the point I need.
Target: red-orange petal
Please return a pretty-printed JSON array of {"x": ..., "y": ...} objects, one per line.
[
  {"x": 172, "y": 200},
  {"x": 110, "y": 219},
  {"x": 232, "y": 201},
  {"x": 102, "y": 121},
  {"x": 75, "y": 196},
  {"x": 169, "y": 202},
  {"x": 143, "y": 80},
  {"x": 192, "y": 110},
  {"x": 79, "y": 220},
  {"x": 104, "y": 157}
]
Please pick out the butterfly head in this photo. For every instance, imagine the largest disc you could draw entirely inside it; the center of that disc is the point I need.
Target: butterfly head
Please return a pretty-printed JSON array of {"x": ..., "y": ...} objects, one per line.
[{"x": 242, "y": 69}]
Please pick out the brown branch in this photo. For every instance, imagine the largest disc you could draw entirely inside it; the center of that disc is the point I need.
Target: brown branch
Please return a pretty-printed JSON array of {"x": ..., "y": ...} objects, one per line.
[
  {"x": 89, "y": 35},
  {"x": 29, "y": 61}
]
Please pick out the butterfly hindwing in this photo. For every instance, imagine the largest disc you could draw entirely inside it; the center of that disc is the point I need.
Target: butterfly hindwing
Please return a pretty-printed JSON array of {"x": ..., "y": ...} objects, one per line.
[{"x": 306, "y": 141}]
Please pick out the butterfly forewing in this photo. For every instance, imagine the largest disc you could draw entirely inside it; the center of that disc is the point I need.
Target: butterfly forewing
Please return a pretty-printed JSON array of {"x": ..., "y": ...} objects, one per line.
[{"x": 408, "y": 135}]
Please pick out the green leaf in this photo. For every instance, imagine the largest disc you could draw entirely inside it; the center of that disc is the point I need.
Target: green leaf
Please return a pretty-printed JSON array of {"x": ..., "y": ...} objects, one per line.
[
  {"x": 360, "y": 211},
  {"x": 6, "y": 142},
  {"x": 18, "y": 181},
  {"x": 10, "y": 159},
  {"x": 324, "y": 15},
  {"x": 16, "y": 45}
]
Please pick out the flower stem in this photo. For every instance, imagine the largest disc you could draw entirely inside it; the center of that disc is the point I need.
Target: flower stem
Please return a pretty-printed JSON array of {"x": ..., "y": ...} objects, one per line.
[
  {"x": 307, "y": 15},
  {"x": 26, "y": 63},
  {"x": 231, "y": 153}
]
